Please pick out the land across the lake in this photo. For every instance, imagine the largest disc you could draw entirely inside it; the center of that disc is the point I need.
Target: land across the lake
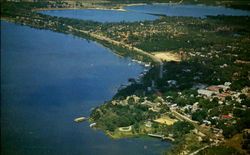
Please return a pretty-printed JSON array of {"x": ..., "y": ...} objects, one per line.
[
  {"x": 120, "y": 8},
  {"x": 196, "y": 101}
]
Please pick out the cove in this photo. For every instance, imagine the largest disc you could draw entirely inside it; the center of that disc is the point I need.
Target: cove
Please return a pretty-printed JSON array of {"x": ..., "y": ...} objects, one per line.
[{"x": 47, "y": 80}]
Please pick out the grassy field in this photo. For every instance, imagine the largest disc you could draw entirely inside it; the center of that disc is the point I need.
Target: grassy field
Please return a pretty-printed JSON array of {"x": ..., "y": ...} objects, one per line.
[{"x": 166, "y": 120}]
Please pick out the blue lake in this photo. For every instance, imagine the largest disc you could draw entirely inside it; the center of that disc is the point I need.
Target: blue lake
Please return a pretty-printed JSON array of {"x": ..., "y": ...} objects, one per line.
[
  {"x": 47, "y": 80},
  {"x": 187, "y": 10},
  {"x": 101, "y": 15},
  {"x": 144, "y": 12}
]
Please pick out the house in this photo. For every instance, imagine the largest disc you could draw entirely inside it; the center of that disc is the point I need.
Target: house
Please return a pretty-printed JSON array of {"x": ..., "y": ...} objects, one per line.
[
  {"x": 195, "y": 107},
  {"x": 160, "y": 99},
  {"x": 150, "y": 104},
  {"x": 186, "y": 70},
  {"x": 227, "y": 83},
  {"x": 187, "y": 107},
  {"x": 195, "y": 131},
  {"x": 172, "y": 82},
  {"x": 246, "y": 131},
  {"x": 222, "y": 96},
  {"x": 206, "y": 122},
  {"x": 173, "y": 105},
  {"x": 125, "y": 39},
  {"x": 148, "y": 124},
  {"x": 225, "y": 117},
  {"x": 196, "y": 77},
  {"x": 205, "y": 92},
  {"x": 136, "y": 98},
  {"x": 223, "y": 87},
  {"x": 115, "y": 102},
  {"x": 216, "y": 130},
  {"x": 147, "y": 64},
  {"x": 132, "y": 98},
  {"x": 238, "y": 100},
  {"x": 124, "y": 102},
  {"x": 155, "y": 109},
  {"x": 215, "y": 117},
  {"x": 149, "y": 89},
  {"x": 214, "y": 89}
]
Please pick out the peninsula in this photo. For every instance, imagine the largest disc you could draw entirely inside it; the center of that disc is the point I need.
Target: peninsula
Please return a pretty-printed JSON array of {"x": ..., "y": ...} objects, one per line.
[{"x": 195, "y": 91}]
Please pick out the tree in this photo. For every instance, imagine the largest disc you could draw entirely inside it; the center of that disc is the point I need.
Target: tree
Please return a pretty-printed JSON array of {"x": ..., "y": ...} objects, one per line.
[
  {"x": 199, "y": 115},
  {"x": 95, "y": 115},
  {"x": 238, "y": 113},
  {"x": 243, "y": 96},
  {"x": 229, "y": 131},
  {"x": 228, "y": 98},
  {"x": 164, "y": 108},
  {"x": 110, "y": 127},
  {"x": 136, "y": 127}
]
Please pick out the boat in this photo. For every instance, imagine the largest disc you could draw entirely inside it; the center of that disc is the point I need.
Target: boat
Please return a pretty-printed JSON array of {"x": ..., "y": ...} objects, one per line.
[
  {"x": 92, "y": 124},
  {"x": 80, "y": 119}
]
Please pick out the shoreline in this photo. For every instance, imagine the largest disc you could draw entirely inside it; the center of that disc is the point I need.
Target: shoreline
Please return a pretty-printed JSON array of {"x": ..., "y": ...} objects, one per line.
[
  {"x": 98, "y": 39},
  {"x": 55, "y": 9},
  {"x": 124, "y": 45},
  {"x": 121, "y": 8}
]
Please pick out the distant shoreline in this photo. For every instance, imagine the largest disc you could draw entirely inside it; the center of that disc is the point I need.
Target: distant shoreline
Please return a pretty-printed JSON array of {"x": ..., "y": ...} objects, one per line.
[
  {"x": 121, "y": 8},
  {"x": 54, "y": 9}
]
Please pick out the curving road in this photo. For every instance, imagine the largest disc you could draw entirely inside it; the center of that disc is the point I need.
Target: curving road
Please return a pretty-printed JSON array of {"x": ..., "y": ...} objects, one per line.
[{"x": 100, "y": 37}]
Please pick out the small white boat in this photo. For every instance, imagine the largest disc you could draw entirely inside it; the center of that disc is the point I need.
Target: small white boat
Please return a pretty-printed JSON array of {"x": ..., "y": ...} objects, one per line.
[{"x": 92, "y": 124}]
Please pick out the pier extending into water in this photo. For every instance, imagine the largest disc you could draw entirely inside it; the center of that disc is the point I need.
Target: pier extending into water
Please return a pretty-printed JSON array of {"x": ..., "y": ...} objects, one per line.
[{"x": 163, "y": 137}]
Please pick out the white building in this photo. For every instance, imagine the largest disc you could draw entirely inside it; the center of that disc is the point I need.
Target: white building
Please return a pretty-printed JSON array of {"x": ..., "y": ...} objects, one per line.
[{"x": 205, "y": 92}]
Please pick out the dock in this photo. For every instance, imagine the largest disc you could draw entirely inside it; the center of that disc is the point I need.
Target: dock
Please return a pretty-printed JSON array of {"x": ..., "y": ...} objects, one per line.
[
  {"x": 155, "y": 135},
  {"x": 163, "y": 137}
]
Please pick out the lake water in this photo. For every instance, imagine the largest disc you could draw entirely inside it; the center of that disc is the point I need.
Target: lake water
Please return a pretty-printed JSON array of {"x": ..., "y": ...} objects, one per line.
[
  {"x": 47, "y": 80},
  {"x": 187, "y": 10},
  {"x": 101, "y": 15},
  {"x": 143, "y": 12}
]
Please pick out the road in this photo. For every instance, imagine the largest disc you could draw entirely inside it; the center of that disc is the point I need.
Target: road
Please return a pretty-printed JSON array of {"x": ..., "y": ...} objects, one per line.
[
  {"x": 197, "y": 151},
  {"x": 101, "y": 37}
]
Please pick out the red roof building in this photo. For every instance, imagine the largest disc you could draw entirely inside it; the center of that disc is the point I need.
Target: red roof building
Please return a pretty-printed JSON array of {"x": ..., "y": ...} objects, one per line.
[
  {"x": 225, "y": 117},
  {"x": 213, "y": 89}
]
